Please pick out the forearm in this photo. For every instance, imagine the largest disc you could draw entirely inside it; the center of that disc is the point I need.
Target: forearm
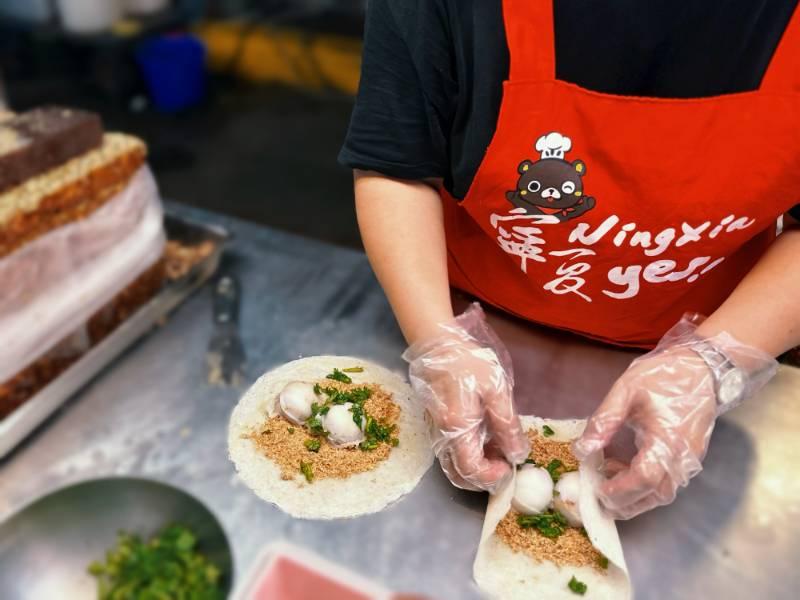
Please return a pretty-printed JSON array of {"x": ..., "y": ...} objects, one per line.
[
  {"x": 402, "y": 228},
  {"x": 764, "y": 309}
]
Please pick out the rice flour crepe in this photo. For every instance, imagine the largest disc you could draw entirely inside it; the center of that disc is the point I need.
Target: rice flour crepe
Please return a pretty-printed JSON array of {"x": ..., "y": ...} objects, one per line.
[
  {"x": 301, "y": 472},
  {"x": 505, "y": 574}
]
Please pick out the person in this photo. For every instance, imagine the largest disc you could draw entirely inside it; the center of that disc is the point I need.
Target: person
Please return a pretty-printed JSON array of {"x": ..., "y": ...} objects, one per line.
[{"x": 598, "y": 167}]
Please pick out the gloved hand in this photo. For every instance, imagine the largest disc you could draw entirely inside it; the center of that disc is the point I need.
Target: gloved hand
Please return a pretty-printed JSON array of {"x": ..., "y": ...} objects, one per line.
[
  {"x": 669, "y": 398},
  {"x": 465, "y": 380}
]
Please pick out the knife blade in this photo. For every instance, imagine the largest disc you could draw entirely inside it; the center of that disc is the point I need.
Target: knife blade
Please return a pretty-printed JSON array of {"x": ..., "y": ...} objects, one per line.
[{"x": 226, "y": 355}]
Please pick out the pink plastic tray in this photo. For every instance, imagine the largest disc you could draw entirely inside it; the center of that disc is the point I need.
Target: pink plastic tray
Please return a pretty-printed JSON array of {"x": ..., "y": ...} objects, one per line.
[{"x": 287, "y": 572}]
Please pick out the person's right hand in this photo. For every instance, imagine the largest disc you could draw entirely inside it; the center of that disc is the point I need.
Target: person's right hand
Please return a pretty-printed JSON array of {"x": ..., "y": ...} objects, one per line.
[{"x": 465, "y": 380}]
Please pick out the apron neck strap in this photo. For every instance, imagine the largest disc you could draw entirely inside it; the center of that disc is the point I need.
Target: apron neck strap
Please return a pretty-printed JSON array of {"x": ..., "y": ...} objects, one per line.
[
  {"x": 783, "y": 72},
  {"x": 530, "y": 32}
]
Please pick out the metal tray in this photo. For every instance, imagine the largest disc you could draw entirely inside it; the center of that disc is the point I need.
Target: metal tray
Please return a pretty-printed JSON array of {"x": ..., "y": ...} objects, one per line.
[{"x": 20, "y": 423}]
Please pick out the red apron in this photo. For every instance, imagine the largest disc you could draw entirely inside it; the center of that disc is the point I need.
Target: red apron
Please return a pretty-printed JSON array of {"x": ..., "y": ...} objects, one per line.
[{"x": 610, "y": 215}]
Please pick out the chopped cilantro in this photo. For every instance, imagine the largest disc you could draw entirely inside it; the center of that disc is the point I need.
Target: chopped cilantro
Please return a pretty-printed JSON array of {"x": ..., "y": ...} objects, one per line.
[
  {"x": 361, "y": 394},
  {"x": 395, "y": 442},
  {"x": 357, "y": 411},
  {"x": 337, "y": 375},
  {"x": 290, "y": 430},
  {"x": 317, "y": 409},
  {"x": 550, "y": 524},
  {"x": 312, "y": 444},
  {"x": 556, "y": 469},
  {"x": 353, "y": 370},
  {"x": 380, "y": 432},
  {"x": 315, "y": 426},
  {"x": 375, "y": 433},
  {"x": 314, "y": 423},
  {"x": 168, "y": 565},
  {"x": 547, "y": 431},
  {"x": 356, "y": 395},
  {"x": 603, "y": 561},
  {"x": 577, "y": 587},
  {"x": 305, "y": 469}
]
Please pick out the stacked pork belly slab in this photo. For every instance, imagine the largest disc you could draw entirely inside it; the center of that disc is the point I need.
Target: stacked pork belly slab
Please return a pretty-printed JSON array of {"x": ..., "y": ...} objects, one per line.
[{"x": 81, "y": 242}]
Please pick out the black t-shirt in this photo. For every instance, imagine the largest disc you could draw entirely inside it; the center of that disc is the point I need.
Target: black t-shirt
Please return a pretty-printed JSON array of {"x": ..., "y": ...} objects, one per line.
[{"x": 433, "y": 70}]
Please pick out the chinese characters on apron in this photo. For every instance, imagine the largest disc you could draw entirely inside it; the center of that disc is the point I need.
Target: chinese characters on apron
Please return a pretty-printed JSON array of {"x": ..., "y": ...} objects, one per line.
[{"x": 611, "y": 216}]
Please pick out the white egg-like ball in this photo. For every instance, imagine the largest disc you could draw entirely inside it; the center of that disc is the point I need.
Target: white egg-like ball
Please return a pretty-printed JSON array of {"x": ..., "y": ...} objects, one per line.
[
  {"x": 566, "y": 501},
  {"x": 295, "y": 401},
  {"x": 341, "y": 427},
  {"x": 534, "y": 490}
]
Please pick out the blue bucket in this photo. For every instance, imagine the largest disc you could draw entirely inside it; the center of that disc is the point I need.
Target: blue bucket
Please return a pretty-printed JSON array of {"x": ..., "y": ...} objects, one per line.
[{"x": 174, "y": 69}]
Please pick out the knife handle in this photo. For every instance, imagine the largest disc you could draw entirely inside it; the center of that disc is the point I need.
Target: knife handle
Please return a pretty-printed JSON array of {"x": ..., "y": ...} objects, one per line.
[{"x": 226, "y": 300}]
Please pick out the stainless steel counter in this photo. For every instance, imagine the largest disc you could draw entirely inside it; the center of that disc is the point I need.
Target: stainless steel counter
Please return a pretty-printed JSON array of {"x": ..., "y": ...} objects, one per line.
[{"x": 733, "y": 534}]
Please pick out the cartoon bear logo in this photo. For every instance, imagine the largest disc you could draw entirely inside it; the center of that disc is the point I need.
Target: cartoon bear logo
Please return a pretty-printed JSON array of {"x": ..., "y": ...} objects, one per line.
[{"x": 551, "y": 185}]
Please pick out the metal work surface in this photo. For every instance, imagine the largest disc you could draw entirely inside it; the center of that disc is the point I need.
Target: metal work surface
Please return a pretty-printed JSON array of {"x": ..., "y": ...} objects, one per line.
[{"x": 733, "y": 534}]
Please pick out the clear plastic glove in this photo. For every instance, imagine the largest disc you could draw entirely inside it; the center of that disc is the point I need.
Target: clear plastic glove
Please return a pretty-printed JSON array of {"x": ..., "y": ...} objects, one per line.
[
  {"x": 465, "y": 379},
  {"x": 669, "y": 399}
]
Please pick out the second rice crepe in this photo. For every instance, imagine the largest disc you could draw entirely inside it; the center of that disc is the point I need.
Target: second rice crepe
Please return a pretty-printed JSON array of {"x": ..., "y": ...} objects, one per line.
[{"x": 505, "y": 574}]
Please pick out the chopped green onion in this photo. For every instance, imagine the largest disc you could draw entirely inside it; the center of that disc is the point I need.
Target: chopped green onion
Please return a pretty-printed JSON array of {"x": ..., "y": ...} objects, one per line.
[
  {"x": 312, "y": 444},
  {"x": 547, "y": 431},
  {"x": 353, "y": 370},
  {"x": 603, "y": 561},
  {"x": 306, "y": 469},
  {"x": 577, "y": 587},
  {"x": 290, "y": 430}
]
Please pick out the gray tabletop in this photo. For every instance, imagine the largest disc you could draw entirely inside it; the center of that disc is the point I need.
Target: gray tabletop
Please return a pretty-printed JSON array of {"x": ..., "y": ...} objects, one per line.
[{"x": 734, "y": 533}]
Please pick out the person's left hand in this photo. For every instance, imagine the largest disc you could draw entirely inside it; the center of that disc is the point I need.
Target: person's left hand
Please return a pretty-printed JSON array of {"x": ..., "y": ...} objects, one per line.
[{"x": 668, "y": 398}]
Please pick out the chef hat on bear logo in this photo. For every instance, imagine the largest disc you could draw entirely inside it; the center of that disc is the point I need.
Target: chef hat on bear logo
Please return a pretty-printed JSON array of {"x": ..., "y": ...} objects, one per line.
[{"x": 553, "y": 145}]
